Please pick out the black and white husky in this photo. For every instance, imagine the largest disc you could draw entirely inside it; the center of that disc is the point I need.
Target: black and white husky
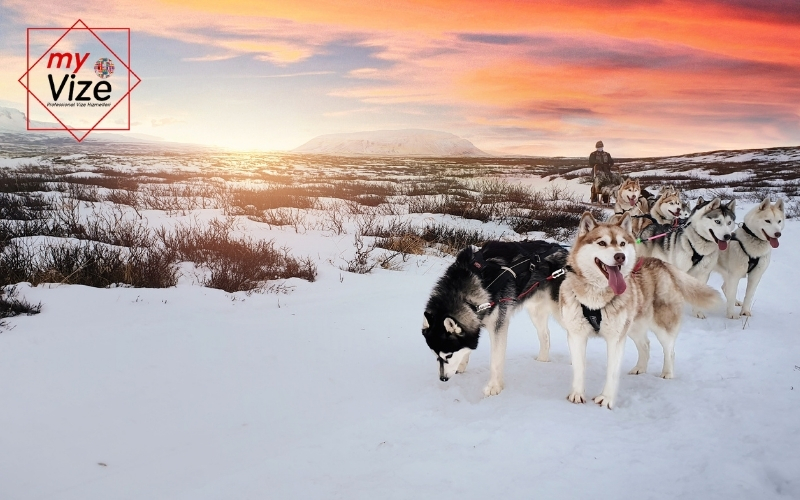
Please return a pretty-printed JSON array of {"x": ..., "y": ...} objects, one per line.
[{"x": 482, "y": 289}]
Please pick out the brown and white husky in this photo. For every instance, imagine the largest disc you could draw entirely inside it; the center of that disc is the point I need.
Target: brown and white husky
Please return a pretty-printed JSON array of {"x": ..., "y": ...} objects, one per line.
[
  {"x": 668, "y": 206},
  {"x": 626, "y": 197},
  {"x": 608, "y": 293}
]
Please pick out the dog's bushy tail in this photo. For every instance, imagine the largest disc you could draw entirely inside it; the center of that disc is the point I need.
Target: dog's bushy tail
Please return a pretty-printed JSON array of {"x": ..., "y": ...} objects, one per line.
[{"x": 694, "y": 292}]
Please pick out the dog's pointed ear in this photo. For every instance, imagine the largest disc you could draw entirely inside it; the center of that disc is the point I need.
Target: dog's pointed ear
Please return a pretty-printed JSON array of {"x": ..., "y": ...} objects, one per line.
[
  {"x": 700, "y": 201},
  {"x": 732, "y": 207},
  {"x": 464, "y": 258},
  {"x": 779, "y": 205},
  {"x": 764, "y": 204},
  {"x": 452, "y": 327},
  {"x": 715, "y": 204},
  {"x": 586, "y": 224},
  {"x": 626, "y": 222},
  {"x": 426, "y": 320}
]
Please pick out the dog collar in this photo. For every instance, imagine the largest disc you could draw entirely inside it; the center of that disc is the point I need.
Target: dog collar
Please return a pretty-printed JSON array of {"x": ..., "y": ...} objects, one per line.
[{"x": 751, "y": 233}]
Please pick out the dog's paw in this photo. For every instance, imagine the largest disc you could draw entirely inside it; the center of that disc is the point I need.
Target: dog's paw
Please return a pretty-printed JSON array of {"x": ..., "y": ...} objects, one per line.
[
  {"x": 462, "y": 367},
  {"x": 637, "y": 370},
  {"x": 733, "y": 315},
  {"x": 544, "y": 358},
  {"x": 575, "y": 397},
  {"x": 699, "y": 314},
  {"x": 667, "y": 375},
  {"x": 604, "y": 401},
  {"x": 746, "y": 313},
  {"x": 492, "y": 389},
  {"x": 738, "y": 304}
]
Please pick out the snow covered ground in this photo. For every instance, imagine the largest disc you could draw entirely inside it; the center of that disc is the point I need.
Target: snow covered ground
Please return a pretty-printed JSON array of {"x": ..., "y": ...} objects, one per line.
[{"x": 330, "y": 392}]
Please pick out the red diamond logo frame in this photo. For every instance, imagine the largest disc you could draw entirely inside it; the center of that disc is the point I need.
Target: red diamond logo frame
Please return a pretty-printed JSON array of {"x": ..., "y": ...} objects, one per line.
[{"x": 30, "y": 93}]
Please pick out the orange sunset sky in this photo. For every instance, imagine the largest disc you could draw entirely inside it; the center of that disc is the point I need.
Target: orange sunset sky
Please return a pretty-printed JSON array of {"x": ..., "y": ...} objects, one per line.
[{"x": 514, "y": 77}]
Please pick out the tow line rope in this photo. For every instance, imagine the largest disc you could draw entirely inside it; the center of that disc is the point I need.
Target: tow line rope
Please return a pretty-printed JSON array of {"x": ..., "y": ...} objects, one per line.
[{"x": 675, "y": 227}]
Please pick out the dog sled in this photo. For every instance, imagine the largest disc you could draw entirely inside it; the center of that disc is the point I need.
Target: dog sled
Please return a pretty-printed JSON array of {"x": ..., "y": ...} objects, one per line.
[{"x": 602, "y": 185}]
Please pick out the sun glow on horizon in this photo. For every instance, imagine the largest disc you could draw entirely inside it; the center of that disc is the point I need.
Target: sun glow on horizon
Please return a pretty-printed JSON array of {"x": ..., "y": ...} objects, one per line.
[{"x": 533, "y": 78}]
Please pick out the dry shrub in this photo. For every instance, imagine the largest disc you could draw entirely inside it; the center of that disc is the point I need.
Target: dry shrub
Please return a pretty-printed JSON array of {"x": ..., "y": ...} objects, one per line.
[
  {"x": 11, "y": 304},
  {"x": 123, "y": 197},
  {"x": 793, "y": 209},
  {"x": 282, "y": 217},
  {"x": 361, "y": 263},
  {"x": 404, "y": 244},
  {"x": 269, "y": 198},
  {"x": 235, "y": 263},
  {"x": 87, "y": 264}
]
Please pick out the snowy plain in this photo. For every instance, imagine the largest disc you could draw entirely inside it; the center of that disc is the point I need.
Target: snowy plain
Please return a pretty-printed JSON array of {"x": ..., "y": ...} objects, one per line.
[{"x": 329, "y": 391}]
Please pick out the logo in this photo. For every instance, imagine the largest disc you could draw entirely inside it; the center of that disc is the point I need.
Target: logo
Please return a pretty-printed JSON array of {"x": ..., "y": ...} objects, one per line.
[
  {"x": 80, "y": 97},
  {"x": 104, "y": 67}
]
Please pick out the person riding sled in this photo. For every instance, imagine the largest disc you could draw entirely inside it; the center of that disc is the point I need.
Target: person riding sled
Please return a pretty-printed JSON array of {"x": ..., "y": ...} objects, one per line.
[{"x": 601, "y": 163}]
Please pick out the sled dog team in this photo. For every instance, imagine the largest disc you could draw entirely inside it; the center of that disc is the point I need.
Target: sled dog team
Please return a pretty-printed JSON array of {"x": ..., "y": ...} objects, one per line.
[{"x": 622, "y": 278}]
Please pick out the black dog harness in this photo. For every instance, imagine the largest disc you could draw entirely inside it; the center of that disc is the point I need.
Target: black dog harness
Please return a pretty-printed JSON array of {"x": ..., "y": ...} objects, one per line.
[
  {"x": 644, "y": 216},
  {"x": 696, "y": 257},
  {"x": 506, "y": 272},
  {"x": 752, "y": 262},
  {"x": 593, "y": 316},
  {"x": 517, "y": 271}
]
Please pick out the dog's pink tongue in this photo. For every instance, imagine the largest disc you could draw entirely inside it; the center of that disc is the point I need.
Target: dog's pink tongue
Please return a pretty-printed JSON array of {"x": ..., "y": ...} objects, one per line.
[
  {"x": 773, "y": 242},
  {"x": 615, "y": 280},
  {"x": 722, "y": 244}
]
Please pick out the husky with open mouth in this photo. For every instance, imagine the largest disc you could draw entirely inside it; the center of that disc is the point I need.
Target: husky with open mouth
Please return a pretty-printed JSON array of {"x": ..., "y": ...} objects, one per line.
[
  {"x": 483, "y": 288},
  {"x": 626, "y": 196},
  {"x": 610, "y": 293},
  {"x": 694, "y": 246},
  {"x": 667, "y": 207},
  {"x": 750, "y": 252}
]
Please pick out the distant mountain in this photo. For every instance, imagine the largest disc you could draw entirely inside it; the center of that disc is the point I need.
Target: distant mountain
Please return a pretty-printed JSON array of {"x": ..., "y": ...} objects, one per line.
[
  {"x": 409, "y": 142},
  {"x": 12, "y": 121}
]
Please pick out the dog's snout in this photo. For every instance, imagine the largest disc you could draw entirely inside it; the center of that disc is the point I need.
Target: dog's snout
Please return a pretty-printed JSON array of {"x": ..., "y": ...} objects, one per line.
[
  {"x": 778, "y": 234},
  {"x": 727, "y": 237},
  {"x": 444, "y": 378},
  {"x": 619, "y": 257}
]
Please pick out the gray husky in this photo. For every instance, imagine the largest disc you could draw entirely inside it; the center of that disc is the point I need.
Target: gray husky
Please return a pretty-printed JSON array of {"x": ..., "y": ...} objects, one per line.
[
  {"x": 695, "y": 245},
  {"x": 750, "y": 253},
  {"x": 482, "y": 289}
]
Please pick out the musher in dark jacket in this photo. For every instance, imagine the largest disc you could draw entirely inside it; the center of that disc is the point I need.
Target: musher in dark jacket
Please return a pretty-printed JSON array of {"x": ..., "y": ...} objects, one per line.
[{"x": 601, "y": 163}]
